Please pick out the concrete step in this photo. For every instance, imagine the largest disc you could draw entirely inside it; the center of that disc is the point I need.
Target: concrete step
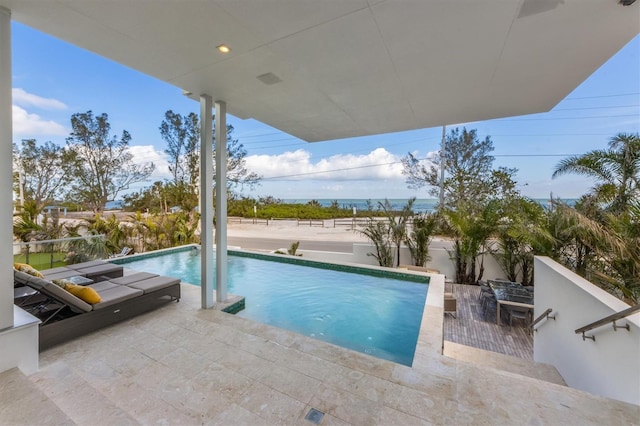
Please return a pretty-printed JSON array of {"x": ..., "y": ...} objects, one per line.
[
  {"x": 22, "y": 402},
  {"x": 523, "y": 367}
]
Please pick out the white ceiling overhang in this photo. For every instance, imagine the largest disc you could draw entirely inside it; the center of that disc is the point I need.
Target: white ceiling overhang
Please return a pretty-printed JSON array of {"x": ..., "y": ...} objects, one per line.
[{"x": 352, "y": 67}]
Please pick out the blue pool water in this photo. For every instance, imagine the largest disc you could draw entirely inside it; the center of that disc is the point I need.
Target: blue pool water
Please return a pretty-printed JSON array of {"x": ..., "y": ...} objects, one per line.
[{"x": 371, "y": 314}]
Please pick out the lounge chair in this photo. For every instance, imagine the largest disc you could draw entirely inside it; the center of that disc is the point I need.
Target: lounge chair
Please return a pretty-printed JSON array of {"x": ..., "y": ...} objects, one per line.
[
  {"x": 125, "y": 251},
  {"x": 96, "y": 270},
  {"x": 65, "y": 316}
]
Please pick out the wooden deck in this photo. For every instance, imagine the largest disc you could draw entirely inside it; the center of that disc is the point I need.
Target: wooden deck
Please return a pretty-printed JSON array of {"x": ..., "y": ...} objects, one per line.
[{"x": 472, "y": 328}]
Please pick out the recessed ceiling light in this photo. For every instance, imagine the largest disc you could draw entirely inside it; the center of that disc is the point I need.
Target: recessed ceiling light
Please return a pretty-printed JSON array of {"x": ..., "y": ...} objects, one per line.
[{"x": 223, "y": 48}]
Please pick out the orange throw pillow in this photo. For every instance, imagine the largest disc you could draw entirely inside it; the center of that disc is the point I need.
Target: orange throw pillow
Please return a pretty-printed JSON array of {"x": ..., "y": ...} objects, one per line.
[
  {"x": 87, "y": 294},
  {"x": 28, "y": 269}
]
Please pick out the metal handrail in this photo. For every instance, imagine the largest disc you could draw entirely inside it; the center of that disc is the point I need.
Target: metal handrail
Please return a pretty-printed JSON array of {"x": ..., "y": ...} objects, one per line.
[
  {"x": 611, "y": 318},
  {"x": 544, "y": 315}
]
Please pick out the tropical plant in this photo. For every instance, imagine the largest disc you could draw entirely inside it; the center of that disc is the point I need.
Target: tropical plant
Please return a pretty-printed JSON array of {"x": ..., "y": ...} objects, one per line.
[
  {"x": 389, "y": 233},
  {"x": 621, "y": 272},
  {"x": 291, "y": 251},
  {"x": 519, "y": 231},
  {"x": 612, "y": 247},
  {"x": 418, "y": 240},
  {"x": 398, "y": 222},
  {"x": 379, "y": 232},
  {"x": 182, "y": 229},
  {"x": 600, "y": 235},
  {"x": 470, "y": 233},
  {"x": 92, "y": 246},
  {"x": 25, "y": 227},
  {"x": 616, "y": 171}
]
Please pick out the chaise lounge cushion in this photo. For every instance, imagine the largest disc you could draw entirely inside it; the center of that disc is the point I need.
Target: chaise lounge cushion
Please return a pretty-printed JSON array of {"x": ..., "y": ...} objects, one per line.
[
  {"x": 102, "y": 286},
  {"x": 152, "y": 284},
  {"x": 55, "y": 270},
  {"x": 115, "y": 295},
  {"x": 106, "y": 269},
  {"x": 88, "y": 264},
  {"x": 132, "y": 278}
]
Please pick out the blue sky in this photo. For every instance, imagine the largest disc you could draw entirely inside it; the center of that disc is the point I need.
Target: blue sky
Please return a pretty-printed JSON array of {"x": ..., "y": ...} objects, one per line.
[{"x": 53, "y": 80}]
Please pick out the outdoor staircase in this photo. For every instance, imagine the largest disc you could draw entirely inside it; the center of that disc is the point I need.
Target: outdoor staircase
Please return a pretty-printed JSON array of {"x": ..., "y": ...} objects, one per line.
[{"x": 520, "y": 366}]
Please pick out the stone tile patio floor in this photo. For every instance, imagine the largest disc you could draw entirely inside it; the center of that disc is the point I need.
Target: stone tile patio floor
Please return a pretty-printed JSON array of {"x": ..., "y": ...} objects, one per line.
[{"x": 184, "y": 365}]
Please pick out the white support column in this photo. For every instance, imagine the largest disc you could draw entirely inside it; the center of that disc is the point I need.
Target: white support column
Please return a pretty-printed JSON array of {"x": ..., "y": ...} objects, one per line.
[
  {"x": 18, "y": 329},
  {"x": 6, "y": 174},
  {"x": 206, "y": 202},
  {"x": 221, "y": 201}
]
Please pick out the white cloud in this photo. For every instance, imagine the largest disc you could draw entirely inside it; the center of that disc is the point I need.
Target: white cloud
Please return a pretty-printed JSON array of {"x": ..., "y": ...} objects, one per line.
[
  {"x": 25, "y": 99},
  {"x": 297, "y": 165},
  {"x": 148, "y": 153},
  {"x": 29, "y": 125},
  {"x": 333, "y": 188}
]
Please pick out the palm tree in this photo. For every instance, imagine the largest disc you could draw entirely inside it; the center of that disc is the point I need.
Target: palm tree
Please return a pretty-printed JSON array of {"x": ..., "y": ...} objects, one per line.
[
  {"x": 379, "y": 233},
  {"x": 25, "y": 229},
  {"x": 470, "y": 232},
  {"x": 605, "y": 225},
  {"x": 398, "y": 223},
  {"x": 616, "y": 171},
  {"x": 520, "y": 232},
  {"x": 622, "y": 267},
  {"x": 419, "y": 238}
]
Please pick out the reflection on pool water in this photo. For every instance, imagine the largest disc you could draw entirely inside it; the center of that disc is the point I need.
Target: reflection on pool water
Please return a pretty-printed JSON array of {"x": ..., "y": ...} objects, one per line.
[{"x": 376, "y": 315}]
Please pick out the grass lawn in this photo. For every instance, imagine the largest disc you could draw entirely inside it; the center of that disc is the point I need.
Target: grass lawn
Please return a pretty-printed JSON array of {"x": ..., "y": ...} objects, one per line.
[{"x": 41, "y": 260}]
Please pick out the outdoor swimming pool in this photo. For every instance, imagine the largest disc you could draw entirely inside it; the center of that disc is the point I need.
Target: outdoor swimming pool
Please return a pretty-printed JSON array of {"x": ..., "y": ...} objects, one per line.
[{"x": 377, "y": 315}]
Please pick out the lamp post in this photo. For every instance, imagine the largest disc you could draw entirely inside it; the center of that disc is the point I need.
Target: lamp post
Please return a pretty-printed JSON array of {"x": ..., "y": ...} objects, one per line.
[
  {"x": 354, "y": 217},
  {"x": 255, "y": 214}
]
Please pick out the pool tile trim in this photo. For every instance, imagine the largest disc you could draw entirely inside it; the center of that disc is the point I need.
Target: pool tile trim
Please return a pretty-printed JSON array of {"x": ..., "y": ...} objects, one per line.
[{"x": 375, "y": 271}]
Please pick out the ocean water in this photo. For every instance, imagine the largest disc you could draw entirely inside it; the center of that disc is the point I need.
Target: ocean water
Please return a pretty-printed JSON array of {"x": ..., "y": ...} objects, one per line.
[{"x": 421, "y": 205}]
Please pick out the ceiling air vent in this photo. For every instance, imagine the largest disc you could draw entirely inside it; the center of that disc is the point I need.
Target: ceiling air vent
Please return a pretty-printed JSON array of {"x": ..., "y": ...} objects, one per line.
[{"x": 269, "y": 78}]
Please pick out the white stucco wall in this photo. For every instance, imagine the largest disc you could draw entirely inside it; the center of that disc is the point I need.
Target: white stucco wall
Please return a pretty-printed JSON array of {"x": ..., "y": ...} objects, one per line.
[
  {"x": 610, "y": 366},
  {"x": 437, "y": 250}
]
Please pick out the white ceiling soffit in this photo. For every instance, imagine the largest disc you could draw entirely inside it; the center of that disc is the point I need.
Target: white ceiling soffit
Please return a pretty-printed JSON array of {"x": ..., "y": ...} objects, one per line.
[{"x": 330, "y": 69}]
